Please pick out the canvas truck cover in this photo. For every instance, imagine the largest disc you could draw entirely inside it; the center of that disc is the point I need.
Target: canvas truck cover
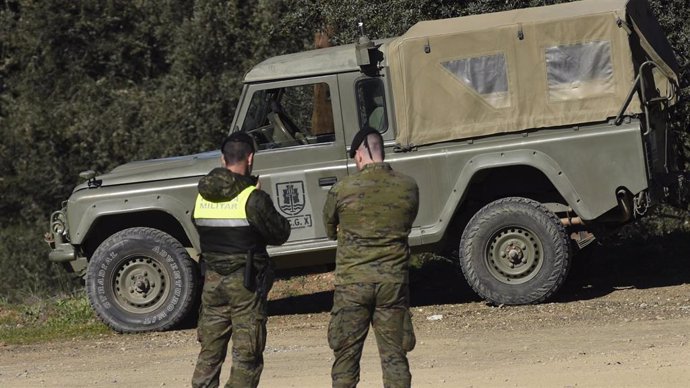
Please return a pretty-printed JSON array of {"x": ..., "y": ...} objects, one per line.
[{"x": 528, "y": 68}]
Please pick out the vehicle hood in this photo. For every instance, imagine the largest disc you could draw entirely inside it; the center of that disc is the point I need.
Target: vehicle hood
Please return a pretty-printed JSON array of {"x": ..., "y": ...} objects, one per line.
[{"x": 160, "y": 169}]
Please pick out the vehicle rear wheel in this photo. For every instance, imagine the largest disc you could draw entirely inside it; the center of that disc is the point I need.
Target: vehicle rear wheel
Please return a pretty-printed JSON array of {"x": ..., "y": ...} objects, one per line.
[
  {"x": 142, "y": 279},
  {"x": 515, "y": 251}
]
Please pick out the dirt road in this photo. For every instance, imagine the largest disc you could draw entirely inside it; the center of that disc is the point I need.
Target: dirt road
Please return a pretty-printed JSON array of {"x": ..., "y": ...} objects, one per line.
[{"x": 622, "y": 322}]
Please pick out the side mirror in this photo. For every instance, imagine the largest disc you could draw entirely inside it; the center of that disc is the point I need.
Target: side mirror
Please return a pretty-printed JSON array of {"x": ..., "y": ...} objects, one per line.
[{"x": 90, "y": 176}]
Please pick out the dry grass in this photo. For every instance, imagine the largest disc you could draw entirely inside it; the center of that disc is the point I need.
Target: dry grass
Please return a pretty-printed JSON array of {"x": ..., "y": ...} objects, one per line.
[{"x": 290, "y": 286}]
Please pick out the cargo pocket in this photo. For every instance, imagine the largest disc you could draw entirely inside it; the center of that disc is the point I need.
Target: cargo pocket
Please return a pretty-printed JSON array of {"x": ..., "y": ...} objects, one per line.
[
  {"x": 409, "y": 340},
  {"x": 335, "y": 331},
  {"x": 258, "y": 340}
]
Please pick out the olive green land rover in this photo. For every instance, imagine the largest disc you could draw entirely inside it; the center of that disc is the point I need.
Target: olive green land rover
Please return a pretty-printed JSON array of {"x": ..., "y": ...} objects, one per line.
[{"x": 528, "y": 131}]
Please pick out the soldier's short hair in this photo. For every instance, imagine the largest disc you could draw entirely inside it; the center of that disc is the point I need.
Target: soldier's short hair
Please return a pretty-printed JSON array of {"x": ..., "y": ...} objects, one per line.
[
  {"x": 374, "y": 143},
  {"x": 237, "y": 147},
  {"x": 370, "y": 139}
]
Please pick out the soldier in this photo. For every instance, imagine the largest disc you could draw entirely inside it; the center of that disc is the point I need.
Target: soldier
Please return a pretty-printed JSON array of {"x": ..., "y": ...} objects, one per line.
[
  {"x": 235, "y": 221},
  {"x": 370, "y": 214}
]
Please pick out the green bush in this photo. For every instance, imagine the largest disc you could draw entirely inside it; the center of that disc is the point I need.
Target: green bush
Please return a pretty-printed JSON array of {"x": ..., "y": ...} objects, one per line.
[{"x": 24, "y": 267}]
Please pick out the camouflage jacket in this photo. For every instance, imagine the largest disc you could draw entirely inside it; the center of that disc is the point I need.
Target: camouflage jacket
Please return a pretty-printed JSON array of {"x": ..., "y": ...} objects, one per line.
[
  {"x": 370, "y": 214},
  {"x": 222, "y": 185}
]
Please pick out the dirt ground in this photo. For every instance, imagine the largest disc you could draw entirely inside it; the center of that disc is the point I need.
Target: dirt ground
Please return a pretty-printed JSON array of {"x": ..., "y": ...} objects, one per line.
[{"x": 622, "y": 319}]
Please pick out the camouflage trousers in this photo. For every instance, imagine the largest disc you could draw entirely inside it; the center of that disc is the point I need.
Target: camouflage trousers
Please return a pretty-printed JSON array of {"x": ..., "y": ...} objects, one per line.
[
  {"x": 229, "y": 309},
  {"x": 384, "y": 306}
]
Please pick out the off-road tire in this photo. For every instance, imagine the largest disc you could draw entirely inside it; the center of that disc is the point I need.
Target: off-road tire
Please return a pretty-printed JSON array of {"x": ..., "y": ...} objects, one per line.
[
  {"x": 142, "y": 279},
  {"x": 515, "y": 251}
]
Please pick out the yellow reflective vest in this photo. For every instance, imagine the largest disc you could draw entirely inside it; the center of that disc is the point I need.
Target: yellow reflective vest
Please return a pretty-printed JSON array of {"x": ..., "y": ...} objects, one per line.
[{"x": 223, "y": 226}]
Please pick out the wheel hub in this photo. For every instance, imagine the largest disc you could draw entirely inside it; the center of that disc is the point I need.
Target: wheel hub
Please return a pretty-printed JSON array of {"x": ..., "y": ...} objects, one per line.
[
  {"x": 140, "y": 284},
  {"x": 514, "y": 255},
  {"x": 514, "y": 252}
]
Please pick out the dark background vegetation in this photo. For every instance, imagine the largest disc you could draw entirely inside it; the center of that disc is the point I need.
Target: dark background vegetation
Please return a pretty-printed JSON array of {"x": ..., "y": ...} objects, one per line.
[{"x": 94, "y": 83}]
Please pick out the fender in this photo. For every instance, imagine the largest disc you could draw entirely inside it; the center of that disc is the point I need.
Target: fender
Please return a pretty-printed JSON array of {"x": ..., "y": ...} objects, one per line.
[{"x": 174, "y": 198}]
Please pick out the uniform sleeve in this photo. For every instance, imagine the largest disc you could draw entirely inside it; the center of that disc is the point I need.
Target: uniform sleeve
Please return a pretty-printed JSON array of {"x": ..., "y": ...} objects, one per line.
[
  {"x": 330, "y": 214},
  {"x": 261, "y": 214}
]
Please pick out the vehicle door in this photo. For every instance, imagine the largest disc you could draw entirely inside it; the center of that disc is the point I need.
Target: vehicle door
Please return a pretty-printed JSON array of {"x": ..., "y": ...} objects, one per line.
[
  {"x": 371, "y": 106},
  {"x": 300, "y": 155}
]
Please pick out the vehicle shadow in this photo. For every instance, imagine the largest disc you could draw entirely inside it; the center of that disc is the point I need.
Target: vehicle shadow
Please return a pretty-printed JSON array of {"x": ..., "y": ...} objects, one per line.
[
  {"x": 317, "y": 302},
  {"x": 311, "y": 291},
  {"x": 438, "y": 281},
  {"x": 658, "y": 261},
  {"x": 596, "y": 271}
]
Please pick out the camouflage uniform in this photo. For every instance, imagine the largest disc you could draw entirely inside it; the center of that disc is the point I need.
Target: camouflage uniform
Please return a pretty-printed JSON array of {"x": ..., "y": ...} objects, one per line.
[
  {"x": 370, "y": 214},
  {"x": 228, "y": 308}
]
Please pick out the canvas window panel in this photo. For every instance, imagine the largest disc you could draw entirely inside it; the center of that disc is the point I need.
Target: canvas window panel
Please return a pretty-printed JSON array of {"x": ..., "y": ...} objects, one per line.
[
  {"x": 486, "y": 75},
  {"x": 579, "y": 71}
]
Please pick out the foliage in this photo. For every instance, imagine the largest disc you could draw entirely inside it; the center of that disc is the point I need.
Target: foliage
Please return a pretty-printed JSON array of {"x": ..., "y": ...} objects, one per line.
[
  {"x": 384, "y": 19},
  {"x": 93, "y": 84},
  {"x": 24, "y": 268},
  {"x": 673, "y": 16}
]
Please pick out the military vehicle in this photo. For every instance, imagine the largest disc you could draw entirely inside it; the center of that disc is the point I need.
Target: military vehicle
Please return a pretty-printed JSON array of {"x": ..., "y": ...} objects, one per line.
[{"x": 528, "y": 131}]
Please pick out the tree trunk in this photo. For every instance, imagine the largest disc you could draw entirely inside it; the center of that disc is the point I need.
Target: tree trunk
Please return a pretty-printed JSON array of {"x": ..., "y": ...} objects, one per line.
[{"x": 322, "y": 115}]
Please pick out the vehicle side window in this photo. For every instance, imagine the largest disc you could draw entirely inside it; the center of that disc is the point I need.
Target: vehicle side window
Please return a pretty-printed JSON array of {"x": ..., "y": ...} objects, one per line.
[
  {"x": 290, "y": 116},
  {"x": 579, "y": 71},
  {"x": 371, "y": 104}
]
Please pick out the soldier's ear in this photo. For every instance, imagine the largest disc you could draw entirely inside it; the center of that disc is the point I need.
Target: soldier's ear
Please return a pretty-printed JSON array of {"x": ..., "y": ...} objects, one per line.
[
  {"x": 250, "y": 159},
  {"x": 358, "y": 158},
  {"x": 222, "y": 160}
]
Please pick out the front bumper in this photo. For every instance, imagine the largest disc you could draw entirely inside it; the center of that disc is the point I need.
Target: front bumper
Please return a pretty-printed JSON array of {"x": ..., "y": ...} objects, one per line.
[
  {"x": 62, "y": 251},
  {"x": 58, "y": 239}
]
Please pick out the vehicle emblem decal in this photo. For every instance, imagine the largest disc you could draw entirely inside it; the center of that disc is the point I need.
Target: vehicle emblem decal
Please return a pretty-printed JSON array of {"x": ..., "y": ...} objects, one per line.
[{"x": 291, "y": 198}]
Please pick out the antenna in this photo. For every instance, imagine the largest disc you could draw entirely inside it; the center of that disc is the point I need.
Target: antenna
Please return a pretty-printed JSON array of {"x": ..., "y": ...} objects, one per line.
[
  {"x": 367, "y": 53},
  {"x": 363, "y": 44}
]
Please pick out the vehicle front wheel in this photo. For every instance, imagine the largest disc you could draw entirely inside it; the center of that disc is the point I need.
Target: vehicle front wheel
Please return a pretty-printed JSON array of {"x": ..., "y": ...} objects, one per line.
[
  {"x": 142, "y": 279},
  {"x": 515, "y": 251}
]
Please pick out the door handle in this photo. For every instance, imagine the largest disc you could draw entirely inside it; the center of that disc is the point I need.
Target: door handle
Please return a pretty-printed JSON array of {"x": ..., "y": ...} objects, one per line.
[{"x": 328, "y": 181}]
